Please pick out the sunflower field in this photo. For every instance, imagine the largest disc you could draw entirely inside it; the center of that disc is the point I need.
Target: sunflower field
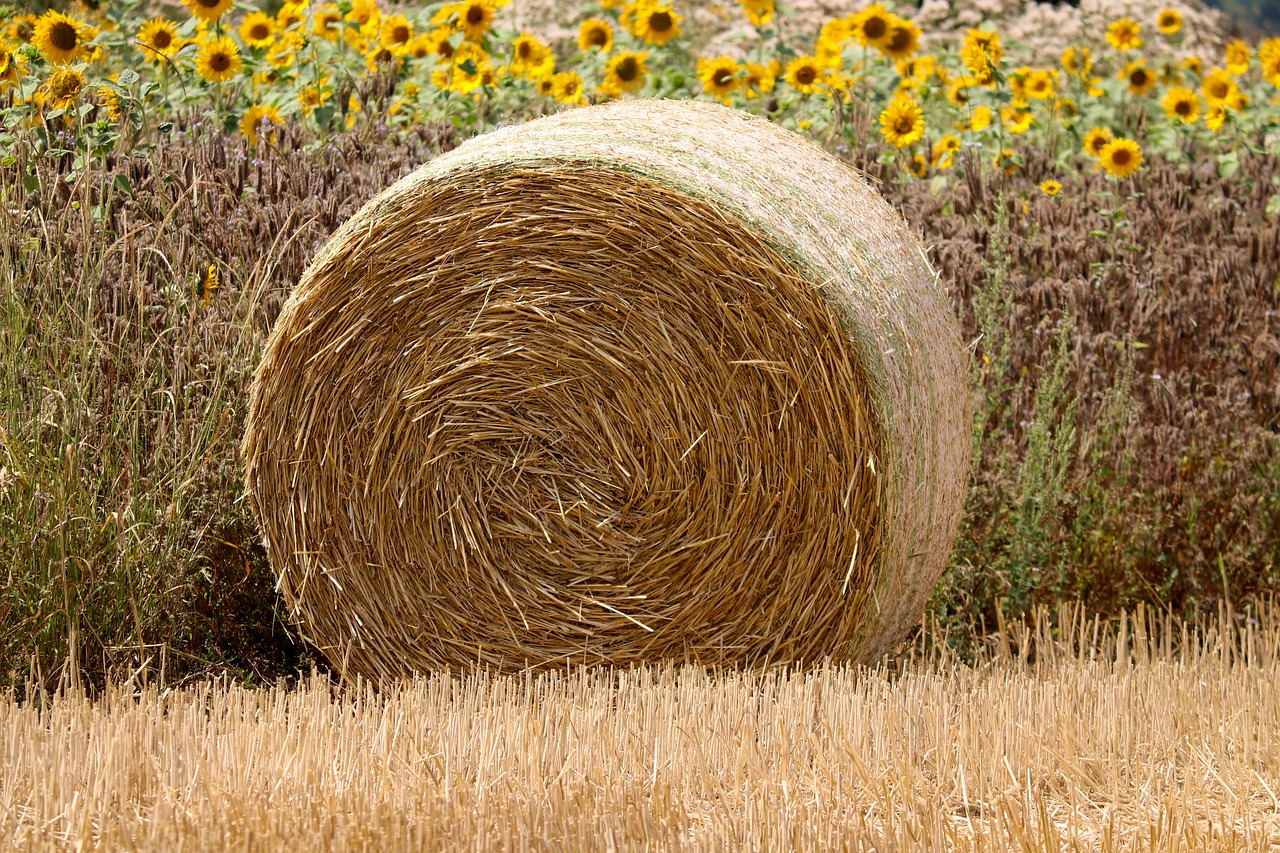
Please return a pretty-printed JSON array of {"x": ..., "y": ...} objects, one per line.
[{"x": 1097, "y": 187}]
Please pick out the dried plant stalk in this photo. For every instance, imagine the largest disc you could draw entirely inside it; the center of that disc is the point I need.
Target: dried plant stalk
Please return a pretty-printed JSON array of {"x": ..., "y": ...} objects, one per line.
[{"x": 647, "y": 381}]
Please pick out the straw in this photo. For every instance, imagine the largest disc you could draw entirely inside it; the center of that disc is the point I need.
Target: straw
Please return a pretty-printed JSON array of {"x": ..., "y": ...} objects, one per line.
[{"x": 646, "y": 381}]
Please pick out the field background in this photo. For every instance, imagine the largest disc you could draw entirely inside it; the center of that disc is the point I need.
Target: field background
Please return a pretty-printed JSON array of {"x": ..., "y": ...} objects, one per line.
[{"x": 1097, "y": 669}]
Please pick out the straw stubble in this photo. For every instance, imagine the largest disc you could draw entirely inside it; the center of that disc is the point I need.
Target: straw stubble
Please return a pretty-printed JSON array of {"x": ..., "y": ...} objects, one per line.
[{"x": 647, "y": 381}]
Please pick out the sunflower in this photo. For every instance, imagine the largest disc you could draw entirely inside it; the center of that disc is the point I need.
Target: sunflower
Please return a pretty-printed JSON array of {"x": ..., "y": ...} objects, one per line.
[
  {"x": 60, "y": 90},
  {"x": 944, "y": 151},
  {"x": 959, "y": 89},
  {"x": 1077, "y": 61},
  {"x": 873, "y": 26},
  {"x": 397, "y": 32},
  {"x": 1217, "y": 87},
  {"x": 625, "y": 73},
  {"x": 1039, "y": 85},
  {"x": 595, "y": 34},
  {"x": 21, "y": 28},
  {"x": 1180, "y": 103},
  {"x": 1140, "y": 78},
  {"x": 208, "y": 11},
  {"x": 1169, "y": 21},
  {"x": 1237, "y": 58},
  {"x": 1007, "y": 160},
  {"x": 291, "y": 15},
  {"x": 1269, "y": 61},
  {"x": 904, "y": 38},
  {"x": 438, "y": 43},
  {"x": 1016, "y": 119},
  {"x": 759, "y": 12},
  {"x": 109, "y": 100},
  {"x": 761, "y": 79},
  {"x": 919, "y": 166},
  {"x": 987, "y": 40},
  {"x": 13, "y": 66},
  {"x": 530, "y": 58},
  {"x": 1193, "y": 64},
  {"x": 311, "y": 96},
  {"x": 719, "y": 76},
  {"x": 218, "y": 60},
  {"x": 1096, "y": 140},
  {"x": 1214, "y": 117},
  {"x": 258, "y": 29},
  {"x": 283, "y": 53},
  {"x": 566, "y": 87},
  {"x": 207, "y": 285},
  {"x": 475, "y": 17},
  {"x": 1124, "y": 34},
  {"x": 902, "y": 123},
  {"x": 918, "y": 69},
  {"x": 1121, "y": 157},
  {"x": 547, "y": 86},
  {"x": 654, "y": 22},
  {"x": 159, "y": 38},
  {"x": 382, "y": 58},
  {"x": 471, "y": 69},
  {"x": 1050, "y": 187},
  {"x": 253, "y": 120},
  {"x": 977, "y": 120},
  {"x": 327, "y": 22},
  {"x": 804, "y": 73},
  {"x": 61, "y": 39},
  {"x": 829, "y": 49},
  {"x": 364, "y": 13},
  {"x": 980, "y": 62}
]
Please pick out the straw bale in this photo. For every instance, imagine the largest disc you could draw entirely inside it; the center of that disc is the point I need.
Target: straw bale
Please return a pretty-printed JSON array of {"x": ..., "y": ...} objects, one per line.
[{"x": 650, "y": 380}]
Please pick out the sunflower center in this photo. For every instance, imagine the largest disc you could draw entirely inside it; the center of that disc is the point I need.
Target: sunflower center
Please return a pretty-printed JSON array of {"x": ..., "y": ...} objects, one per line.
[
  {"x": 65, "y": 85},
  {"x": 661, "y": 22},
  {"x": 598, "y": 38},
  {"x": 445, "y": 49},
  {"x": 475, "y": 16},
  {"x": 903, "y": 125},
  {"x": 1138, "y": 78},
  {"x": 163, "y": 38},
  {"x": 209, "y": 4},
  {"x": 524, "y": 50},
  {"x": 1219, "y": 90},
  {"x": 63, "y": 36},
  {"x": 806, "y": 75},
  {"x": 257, "y": 32},
  {"x": 1182, "y": 108},
  {"x": 628, "y": 70},
  {"x": 900, "y": 40},
  {"x": 722, "y": 77},
  {"x": 400, "y": 34},
  {"x": 1121, "y": 157},
  {"x": 220, "y": 62},
  {"x": 875, "y": 28}
]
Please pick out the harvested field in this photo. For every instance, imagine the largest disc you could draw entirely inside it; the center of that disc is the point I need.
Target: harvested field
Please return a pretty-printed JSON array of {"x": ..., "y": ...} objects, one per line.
[{"x": 1140, "y": 735}]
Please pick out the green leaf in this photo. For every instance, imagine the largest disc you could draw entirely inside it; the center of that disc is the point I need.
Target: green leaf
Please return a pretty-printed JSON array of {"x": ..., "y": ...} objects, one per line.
[
  {"x": 1273, "y": 206},
  {"x": 1229, "y": 164},
  {"x": 30, "y": 183},
  {"x": 127, "y": 77},
  {"x": 121, "y": 183}
]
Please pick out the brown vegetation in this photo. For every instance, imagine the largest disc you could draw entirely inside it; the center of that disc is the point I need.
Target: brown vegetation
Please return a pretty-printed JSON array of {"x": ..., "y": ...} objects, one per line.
[{"x": 1150, "y": 474}]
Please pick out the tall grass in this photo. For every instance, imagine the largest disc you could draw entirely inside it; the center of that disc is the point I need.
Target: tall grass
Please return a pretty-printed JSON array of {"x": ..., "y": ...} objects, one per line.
[{"x": 1066, "y": 734}]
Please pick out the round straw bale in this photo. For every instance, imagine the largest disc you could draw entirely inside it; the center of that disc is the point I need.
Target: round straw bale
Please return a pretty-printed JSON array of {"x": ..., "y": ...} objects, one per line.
[{"x": 646, "y": 381}]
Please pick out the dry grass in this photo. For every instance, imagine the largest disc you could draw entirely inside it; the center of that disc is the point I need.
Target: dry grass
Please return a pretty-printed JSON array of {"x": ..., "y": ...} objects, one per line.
[
  {"x": 651, "y": 381},
  {"x": 1142, "y": 736}
]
